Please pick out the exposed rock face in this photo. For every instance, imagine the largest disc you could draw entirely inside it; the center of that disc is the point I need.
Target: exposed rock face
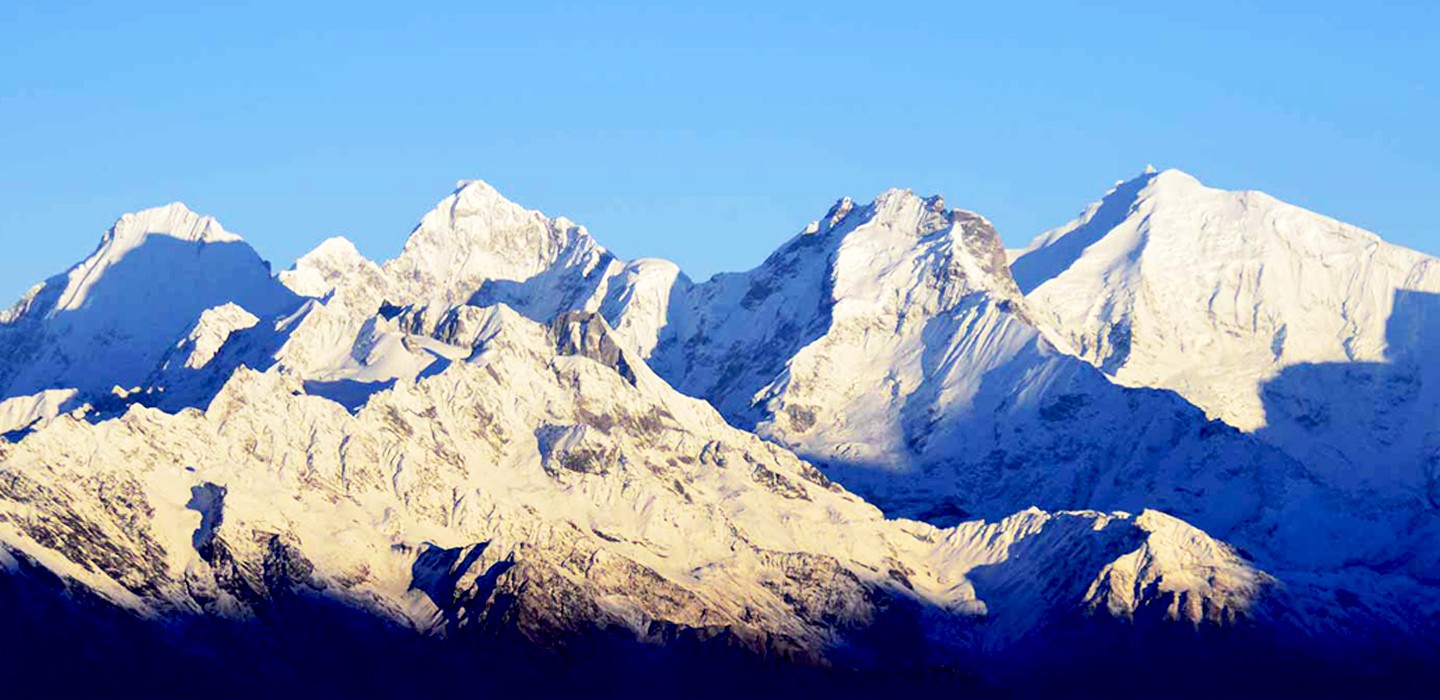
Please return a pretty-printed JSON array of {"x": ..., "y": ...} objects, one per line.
[{"x": 587, "y": 335}]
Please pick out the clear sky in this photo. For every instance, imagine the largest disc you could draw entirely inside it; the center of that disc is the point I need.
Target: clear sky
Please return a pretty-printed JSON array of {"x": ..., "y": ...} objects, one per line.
[{"x": 705, "y": 133}]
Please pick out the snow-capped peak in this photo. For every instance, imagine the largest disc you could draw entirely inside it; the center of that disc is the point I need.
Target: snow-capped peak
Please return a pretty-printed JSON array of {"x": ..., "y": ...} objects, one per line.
[
  {"x": 109, "y": 319},
  {"x": 1215, "y": 294},
  {"x": 1170, "y": 190},
  {"x": 333, "y": 248},
  {"x": 472, "y": 198},
  {"x": 903, "y": 210},
  {"x": 411, "y": 434},
  {"x": 838, "y": 310},
  {"x": 173, "y": 220},
  {"x": 333, "y": 264},
  {"x": 477, "y": 235},
  {"x": 210, "y": 332},
  {"x": 479, "y": 187},
  {"x": 1170, "y": 178}
]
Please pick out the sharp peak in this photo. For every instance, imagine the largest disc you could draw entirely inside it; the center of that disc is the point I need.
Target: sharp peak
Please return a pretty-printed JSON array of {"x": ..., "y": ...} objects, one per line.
[
  {"x": 481, "y": 195},
  {"x": 477, "y": 185},
  {"x": 480, "y": 192},
  {"x": 478, "y": 197},
  {"x": 334, "y": 245}
]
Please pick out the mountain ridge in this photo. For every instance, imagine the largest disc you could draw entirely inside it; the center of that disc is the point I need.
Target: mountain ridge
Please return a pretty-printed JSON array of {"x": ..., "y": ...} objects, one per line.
[{"x": 507, "y": 409}]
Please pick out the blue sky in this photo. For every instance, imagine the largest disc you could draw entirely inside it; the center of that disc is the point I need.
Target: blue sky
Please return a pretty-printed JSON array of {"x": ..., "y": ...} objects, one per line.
[{"x": 705, "y": 133}]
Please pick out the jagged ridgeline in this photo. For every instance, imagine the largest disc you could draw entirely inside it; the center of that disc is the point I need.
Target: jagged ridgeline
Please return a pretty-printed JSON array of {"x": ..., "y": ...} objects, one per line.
[{"x": 893, "y": 456}]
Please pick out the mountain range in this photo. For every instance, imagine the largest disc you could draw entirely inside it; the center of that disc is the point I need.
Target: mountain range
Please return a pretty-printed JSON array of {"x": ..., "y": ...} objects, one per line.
[{"x": 1189, "y": 439}]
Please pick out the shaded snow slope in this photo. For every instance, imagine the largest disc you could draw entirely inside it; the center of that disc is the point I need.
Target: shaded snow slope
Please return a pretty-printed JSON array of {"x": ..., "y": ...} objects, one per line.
[{"x": 111, "y": 318}]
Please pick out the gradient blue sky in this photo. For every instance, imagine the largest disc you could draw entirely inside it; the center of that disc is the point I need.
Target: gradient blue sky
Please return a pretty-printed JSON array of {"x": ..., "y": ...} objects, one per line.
[{"x": 702, "y": 133}]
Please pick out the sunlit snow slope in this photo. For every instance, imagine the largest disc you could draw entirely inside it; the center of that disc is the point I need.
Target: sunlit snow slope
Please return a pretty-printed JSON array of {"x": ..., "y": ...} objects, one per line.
[
  {"x": 507, "y": 451},
  {"x": 1314, "y": 334}
]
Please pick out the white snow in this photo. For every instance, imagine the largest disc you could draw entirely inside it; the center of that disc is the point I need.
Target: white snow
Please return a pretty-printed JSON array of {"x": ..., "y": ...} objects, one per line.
[
  {"x": 539, "y": 455},
  {"x": 20, "y": 412},
  {"x": 1224, "y": 296},
  {"x": 111, "y": 318},
  {"x": 448, "y": 397}
]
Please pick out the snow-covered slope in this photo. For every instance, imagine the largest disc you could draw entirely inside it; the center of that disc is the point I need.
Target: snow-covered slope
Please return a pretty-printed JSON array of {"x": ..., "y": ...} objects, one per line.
[
  {"x": 477, "y": 242},
  {"x": 334, "y": 265},
  {"x": 550, "y": 484},
  {"x": 476, "y": 247},
  {"x": 19, "y": 414},
  {"x": 111, "y": 318},
  {"x": 889, "y": 343},
  {"x": 888, "y": 337},
  {"x": 867, "y": 276},
  {"x": 469, "y": 443},
  {"x": 1271, "y": 318}
]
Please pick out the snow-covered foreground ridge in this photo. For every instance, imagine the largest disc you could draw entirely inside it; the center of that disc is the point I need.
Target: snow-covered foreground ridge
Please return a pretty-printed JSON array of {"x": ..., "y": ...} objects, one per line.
[{"x": 509, "y": 448}]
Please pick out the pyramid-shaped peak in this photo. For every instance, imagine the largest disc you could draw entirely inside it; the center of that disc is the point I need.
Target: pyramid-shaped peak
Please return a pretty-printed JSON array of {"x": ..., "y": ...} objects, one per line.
[
  {"x": 333, "y": 248},
  {"x": 475, "y": 187},
  {"x": 478, "y": 198},
  {"x": 335, "y": 263},
  {"x": 476, "y": 207},
  {"x": 475, "y": 235},
  {"x": 479, "y": 193}
]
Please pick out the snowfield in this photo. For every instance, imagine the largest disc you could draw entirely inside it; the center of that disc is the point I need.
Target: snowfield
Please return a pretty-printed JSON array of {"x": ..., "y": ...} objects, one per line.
[{"x": 1191, "y": 434}]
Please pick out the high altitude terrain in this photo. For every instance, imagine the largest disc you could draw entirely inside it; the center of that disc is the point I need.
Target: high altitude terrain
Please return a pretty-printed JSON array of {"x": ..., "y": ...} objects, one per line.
[{"x": 1190, "y": 435}]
